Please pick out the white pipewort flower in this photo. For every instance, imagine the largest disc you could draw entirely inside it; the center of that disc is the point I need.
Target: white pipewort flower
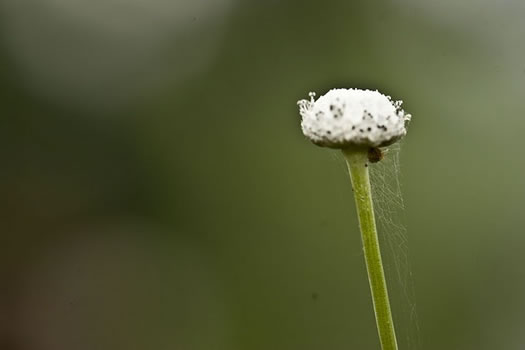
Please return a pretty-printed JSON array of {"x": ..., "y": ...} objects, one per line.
[{"x": 344, "y": 118}]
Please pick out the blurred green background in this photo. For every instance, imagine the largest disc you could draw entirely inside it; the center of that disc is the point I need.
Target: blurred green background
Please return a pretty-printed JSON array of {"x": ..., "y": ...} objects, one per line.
[{"x": 157, "y": 192}]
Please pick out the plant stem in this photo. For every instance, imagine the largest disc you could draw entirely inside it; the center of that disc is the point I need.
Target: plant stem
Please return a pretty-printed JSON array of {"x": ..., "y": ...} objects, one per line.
[{"x": 357, "y": 161}]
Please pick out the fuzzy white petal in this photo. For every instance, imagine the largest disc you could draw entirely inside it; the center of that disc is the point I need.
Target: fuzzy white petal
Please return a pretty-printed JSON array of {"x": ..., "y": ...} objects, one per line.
[{"x": 352, "y": 117}]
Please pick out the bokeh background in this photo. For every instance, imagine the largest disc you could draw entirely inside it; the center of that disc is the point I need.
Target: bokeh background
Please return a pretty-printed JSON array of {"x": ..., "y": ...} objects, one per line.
[{"x": 157, "y": 192}]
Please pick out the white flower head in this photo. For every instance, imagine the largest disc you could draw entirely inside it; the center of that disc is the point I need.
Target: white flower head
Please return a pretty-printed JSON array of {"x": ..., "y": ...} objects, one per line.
[{"x": 352, "y": 117}]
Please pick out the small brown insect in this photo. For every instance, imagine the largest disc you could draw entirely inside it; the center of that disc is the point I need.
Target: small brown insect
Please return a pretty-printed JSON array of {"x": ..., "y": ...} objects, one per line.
[{"x": 375, "y": 154}]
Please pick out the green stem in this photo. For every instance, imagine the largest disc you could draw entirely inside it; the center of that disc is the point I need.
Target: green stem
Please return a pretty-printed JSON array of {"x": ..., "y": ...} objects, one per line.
[{"x": 357, "y": 160}]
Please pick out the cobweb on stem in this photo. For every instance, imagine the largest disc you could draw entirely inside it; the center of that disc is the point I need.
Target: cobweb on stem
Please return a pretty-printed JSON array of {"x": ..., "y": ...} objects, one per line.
[{"x": 389, "y": 207}]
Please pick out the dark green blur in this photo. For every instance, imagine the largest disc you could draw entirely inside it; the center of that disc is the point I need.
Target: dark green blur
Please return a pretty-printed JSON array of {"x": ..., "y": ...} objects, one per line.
[{"x": 159, "y": 194}]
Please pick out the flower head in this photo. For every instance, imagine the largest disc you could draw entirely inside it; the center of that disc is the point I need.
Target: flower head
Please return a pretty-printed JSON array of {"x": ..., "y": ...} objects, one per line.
[{"x": 352, "y": 117}]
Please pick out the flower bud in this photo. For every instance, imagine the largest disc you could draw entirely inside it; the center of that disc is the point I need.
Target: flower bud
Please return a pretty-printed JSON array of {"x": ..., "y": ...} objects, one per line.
[{"x": 345, "y": 118}]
